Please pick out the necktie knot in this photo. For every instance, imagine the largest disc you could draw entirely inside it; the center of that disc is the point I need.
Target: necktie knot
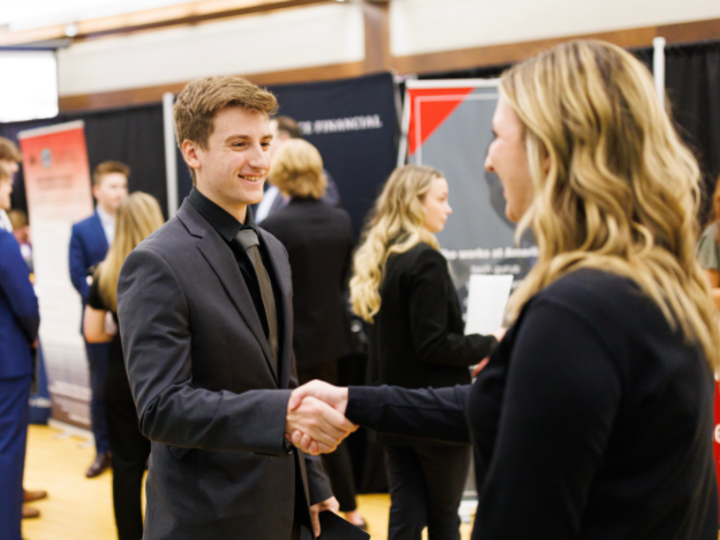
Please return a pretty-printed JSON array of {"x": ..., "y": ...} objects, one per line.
[{"x": 247, "y": 238}]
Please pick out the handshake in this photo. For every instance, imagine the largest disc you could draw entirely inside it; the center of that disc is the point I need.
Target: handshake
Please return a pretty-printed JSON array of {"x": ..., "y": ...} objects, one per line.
[{"x": 315, "y": 421}]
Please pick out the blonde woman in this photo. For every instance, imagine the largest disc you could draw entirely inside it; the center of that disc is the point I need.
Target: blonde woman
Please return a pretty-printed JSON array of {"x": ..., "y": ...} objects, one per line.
[
  {"x": 319, "y": 241},
  {"x": 137, "y": 216},
  {"x": 594, "y": 417},
  {"x": 402, "y": 286}
]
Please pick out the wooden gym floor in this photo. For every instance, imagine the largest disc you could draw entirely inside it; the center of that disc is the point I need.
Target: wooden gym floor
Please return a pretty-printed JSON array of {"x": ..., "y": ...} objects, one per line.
[{"x": 81, "y": 509}]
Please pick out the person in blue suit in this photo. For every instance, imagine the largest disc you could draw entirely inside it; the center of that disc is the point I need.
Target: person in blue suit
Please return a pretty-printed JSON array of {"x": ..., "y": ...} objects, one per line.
[
  {"x": 19, "y": 321},
  {"x": 89, "y": 244}
]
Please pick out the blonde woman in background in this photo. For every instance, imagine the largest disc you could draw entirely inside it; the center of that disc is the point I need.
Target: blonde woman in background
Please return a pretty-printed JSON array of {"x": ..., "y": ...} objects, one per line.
[
  {"x": 594, "y": 417},
  {"x": 137, "y": 217},
  {"x": 708, "y": 248},
  {"x": 402, "y": 287},
  {"x": 319, "y": 241}
]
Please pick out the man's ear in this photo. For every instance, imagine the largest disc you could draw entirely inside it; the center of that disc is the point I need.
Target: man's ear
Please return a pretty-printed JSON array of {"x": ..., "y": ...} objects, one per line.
[{"x": 190, "y": 152}]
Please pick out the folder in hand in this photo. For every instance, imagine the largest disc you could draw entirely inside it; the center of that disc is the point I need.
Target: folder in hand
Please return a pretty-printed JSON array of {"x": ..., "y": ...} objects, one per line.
[{"x": 333, "y": 527}]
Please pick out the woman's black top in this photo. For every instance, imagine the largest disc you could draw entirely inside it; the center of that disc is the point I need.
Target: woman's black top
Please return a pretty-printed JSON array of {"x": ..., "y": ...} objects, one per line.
[
  {"x": 417, "y": 337},
  {"x": 593, "y": 420},
  {"x": 115, "y": 355}
]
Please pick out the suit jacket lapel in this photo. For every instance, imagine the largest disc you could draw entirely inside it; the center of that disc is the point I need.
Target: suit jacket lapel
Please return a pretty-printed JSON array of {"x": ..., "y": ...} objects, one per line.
[
  {"x": 100, "y": 232},
  {"x": 285, "y": 283},
  {"x": 221, "y": 259}
]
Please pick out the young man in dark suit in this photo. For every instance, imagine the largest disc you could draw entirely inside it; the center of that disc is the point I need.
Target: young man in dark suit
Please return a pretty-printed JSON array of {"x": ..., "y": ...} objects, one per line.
[
  {"x": 89, "y": 244},
  {"x": 19, "y": 320},
  {"x": 205, "y": 313}
]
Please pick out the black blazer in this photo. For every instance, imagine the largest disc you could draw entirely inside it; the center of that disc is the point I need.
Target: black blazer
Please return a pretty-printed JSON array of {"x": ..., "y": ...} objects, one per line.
[
  {"x": 319, "y": 241},
  {"x": 206, "y": 395},
  {"x": 417, "y": 337}
]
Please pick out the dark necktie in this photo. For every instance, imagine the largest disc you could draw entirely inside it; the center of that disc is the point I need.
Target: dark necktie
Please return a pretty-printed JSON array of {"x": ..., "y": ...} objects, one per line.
[{"x": 248, "y": 240}]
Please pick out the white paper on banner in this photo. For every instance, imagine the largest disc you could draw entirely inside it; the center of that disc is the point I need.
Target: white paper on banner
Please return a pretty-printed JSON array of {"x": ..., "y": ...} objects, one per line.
[{"x": 487, "y": 299}]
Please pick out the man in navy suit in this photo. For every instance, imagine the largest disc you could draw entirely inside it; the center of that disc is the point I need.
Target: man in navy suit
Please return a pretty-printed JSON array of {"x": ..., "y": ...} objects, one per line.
[
  {"x": 89, "y": 244},
  {"x": 19, "y": 321}
]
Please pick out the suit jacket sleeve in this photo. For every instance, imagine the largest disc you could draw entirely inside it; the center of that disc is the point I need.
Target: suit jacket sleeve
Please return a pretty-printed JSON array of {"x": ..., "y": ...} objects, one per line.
[
  {"x": 426, "y": 413},
  {"x": 15, "y": 285},
  {"x": 78, "y": 264},
  {"x": 433, "y": 342},
  {"x": 156, "y": 337}
]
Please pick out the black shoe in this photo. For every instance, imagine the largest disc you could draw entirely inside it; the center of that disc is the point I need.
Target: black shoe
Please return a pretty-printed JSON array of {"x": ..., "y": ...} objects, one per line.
[{"x": 102, "y": 462}]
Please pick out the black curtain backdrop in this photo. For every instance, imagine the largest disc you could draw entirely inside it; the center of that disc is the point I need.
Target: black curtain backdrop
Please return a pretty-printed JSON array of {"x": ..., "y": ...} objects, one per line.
[
  {"x": 692, "y": 80},
  {"x": 131, "y": 135},
  {"x": 362, "y": 153}
]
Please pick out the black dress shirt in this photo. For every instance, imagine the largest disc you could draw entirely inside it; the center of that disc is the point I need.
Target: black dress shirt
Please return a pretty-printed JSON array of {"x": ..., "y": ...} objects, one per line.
[{"x": 227, "y": 226}]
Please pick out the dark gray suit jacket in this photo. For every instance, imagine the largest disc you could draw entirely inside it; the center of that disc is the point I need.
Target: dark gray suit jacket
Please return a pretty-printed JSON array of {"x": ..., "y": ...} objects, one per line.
[{"x": 206, "y": 395}]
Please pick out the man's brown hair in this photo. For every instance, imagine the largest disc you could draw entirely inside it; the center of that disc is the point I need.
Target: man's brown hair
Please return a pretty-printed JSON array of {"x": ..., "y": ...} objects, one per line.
[
  {"x": 109, "y": 167},
  {"x": 198, "y": 103},
  {"x": 9, "y": 151},
  {"x": 288, "y": 125}
]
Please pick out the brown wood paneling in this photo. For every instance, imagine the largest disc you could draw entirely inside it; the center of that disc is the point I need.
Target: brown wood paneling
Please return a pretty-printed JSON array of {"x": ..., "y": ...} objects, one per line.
[
  {"x": 503, "y": 54},
  {"x": 377, "y": 37},
  {"x": 202, "y": 18},
  {"x": 152, "y": 94},
  {"x": 377, "y": 58},
  {"x": 154, "y": 19}
]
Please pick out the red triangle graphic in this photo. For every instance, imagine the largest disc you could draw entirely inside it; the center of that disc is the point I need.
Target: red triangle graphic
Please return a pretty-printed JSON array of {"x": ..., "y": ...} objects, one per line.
[{"x": 437, "y": 105}]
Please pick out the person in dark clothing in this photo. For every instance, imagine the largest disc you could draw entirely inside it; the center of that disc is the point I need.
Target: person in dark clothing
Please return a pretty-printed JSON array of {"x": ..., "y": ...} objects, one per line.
[
  {"x": 137, "y": 216},
  {"x": 89, "y": 244},
  {"x": 594, "y": 417},
  {"x": 403, "y": 289},
  {"x": 319, "y": 240}
]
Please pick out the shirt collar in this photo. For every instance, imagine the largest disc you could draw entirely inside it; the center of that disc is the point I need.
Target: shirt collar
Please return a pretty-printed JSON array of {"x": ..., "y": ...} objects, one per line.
[
  {"x": 224, "y": 223},
  {"x": 105, "y": 218}
]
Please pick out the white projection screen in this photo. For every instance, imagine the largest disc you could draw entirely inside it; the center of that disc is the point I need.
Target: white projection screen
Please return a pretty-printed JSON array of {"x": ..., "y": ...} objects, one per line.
[{"x": 29, "y": 89}]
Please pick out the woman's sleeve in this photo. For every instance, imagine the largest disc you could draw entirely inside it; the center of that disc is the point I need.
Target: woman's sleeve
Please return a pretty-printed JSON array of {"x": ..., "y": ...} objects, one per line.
[
  {"x": 561, "y": 398},
  {"x": 427, "y": 413},
  {"x": 93, "y": 299},
  {"x": 433, "y": 343},
  {"x": 708, "y": 251}
]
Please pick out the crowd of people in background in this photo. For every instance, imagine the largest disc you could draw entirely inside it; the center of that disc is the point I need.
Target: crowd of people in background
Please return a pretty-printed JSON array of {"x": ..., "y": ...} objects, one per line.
[{"x": 615, "y": 312}]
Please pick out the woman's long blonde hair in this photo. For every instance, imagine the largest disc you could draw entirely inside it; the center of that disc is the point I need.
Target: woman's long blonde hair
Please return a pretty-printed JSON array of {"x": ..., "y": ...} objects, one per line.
[
  {"x": 397, "y": 224},
  {"x": 614, "y": 187},
  {"x": 137, "y": 216}
]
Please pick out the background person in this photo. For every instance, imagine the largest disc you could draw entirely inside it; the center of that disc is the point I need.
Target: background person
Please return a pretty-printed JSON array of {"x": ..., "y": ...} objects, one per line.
[
  {"x": 10, "y": 158},
  {"x": 89, "y": 244},
  {"x": 319, "y": 240},
  {"x": 11, "y": 221},
  {"x": 21, "y": 230},
  {"x": 594, "y": 416},
  {"x": 402, "y": 287},
  {"x": 708, "y": 248},
  {"x": 137, "y": 216},
  {"x": 19, "y": 321},
  {"x": 284, "y": 129}
]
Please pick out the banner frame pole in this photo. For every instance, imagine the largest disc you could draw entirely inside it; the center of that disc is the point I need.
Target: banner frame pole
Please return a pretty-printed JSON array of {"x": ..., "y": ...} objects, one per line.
[
  {"x": 659, "y": 44},
  {"x": 171, "y": 177}
]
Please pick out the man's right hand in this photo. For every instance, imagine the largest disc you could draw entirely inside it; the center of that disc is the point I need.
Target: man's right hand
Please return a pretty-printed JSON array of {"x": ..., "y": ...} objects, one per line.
[
  {"x": 331, "y": 395},
  {"x": 317, "y": 422}
]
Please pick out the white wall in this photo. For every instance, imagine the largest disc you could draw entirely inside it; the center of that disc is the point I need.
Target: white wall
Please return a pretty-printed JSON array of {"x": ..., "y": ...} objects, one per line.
[
  {"x": 424, "y": 26},
  {"x": 290, "y": 39}
]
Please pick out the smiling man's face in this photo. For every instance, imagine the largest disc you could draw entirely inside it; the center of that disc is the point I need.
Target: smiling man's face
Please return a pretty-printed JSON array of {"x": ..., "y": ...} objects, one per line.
[{"x": 232, "y": 169}]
